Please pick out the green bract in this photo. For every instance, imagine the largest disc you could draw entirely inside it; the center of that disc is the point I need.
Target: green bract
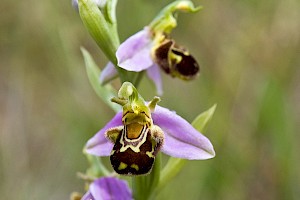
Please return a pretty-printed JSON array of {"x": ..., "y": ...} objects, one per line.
[{"x": 101, "y": 25}]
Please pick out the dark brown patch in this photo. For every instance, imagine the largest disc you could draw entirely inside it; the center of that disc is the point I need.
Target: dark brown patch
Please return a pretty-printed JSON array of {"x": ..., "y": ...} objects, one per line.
[
  {"x": 188, "y": 66},
  {"x": 161, "y": 55}
]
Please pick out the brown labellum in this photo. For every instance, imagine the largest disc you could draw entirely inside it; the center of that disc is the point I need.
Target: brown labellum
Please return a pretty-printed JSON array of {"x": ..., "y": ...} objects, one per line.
[
  {"x": 129, "y": 162},
  {"x": 135, "y": 148},
  {"x": 176, "y": 61}
]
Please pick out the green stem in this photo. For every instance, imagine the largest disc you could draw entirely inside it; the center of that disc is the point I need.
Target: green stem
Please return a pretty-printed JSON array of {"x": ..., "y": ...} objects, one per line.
[
  {"x": 137, "y": 187},
  {"x": 171, "y": 169},
  {"x": 144, "y": 186},
  {"x": 137, "y": 79}
]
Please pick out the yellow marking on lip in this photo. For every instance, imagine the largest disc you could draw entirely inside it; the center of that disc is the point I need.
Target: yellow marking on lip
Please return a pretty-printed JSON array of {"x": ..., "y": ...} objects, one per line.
[
  {"x": 148, "y": 153},
  {"x": 122, "y": 166},
  {"x": 112, "y": 152},
  {"x": 134, "y": 166}
]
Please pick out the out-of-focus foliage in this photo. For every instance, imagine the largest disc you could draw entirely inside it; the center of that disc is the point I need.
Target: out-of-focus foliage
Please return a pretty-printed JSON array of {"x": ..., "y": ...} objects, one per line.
[{"x": 249, "y": 57}]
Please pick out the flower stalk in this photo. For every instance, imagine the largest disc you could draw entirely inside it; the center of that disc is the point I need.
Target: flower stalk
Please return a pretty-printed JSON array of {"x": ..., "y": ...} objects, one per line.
[{"x": 143, "y": 187}]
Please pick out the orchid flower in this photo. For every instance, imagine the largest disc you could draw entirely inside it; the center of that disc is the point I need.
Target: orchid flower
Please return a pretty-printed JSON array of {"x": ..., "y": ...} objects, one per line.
[
  {"x": 108, "y": 188},
  {"x": 140, "y": 123},
  {"x": 138, "y": 46},
  {"x": 151, "y": 49}
]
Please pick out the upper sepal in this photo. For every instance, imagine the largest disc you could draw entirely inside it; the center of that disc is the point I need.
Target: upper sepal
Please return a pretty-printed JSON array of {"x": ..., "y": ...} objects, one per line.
[{"x": 135, "y": 53}]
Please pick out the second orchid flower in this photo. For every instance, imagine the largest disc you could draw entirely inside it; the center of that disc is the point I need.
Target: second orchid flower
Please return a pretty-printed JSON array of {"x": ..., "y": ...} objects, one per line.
[{"x": 152, "y": 49}]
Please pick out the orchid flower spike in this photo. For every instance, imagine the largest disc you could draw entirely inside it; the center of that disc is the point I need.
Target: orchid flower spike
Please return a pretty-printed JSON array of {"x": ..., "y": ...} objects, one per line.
[{"x": 134, "y": 136}]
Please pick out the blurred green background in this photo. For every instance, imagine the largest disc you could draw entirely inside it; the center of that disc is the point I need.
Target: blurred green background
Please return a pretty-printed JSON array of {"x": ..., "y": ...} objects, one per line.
[{"x": 249, "y": 55}]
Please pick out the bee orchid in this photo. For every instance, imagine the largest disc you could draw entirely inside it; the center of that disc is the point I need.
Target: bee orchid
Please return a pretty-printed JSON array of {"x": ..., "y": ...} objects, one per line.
[{"x": 134, "y": 136}]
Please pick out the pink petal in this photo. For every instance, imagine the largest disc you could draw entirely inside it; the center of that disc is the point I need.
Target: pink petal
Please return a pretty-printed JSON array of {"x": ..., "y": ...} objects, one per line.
[
  {"x": 134, "y": 54},
  {"x": 88, "y": 196},
  {"x": 110, "y": 188},
  {"x": 99, "y": 145},
  {"x": 182, "y": 140}
]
